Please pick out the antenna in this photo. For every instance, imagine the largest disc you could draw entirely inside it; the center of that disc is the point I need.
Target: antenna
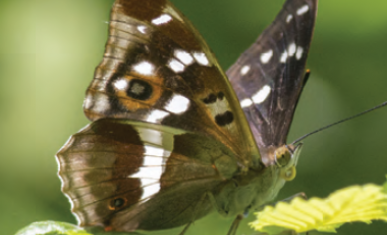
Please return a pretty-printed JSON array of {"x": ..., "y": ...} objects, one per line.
[{"x": 343, "y": 120}]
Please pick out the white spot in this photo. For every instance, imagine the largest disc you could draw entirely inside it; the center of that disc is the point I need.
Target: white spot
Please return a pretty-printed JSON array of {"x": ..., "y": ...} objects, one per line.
[
  {"x": 88, "y": 102},
  {"x": 148, "y": 171},
  {"x": 261, "y": 95},
  {"x": 284, "y": 56},
  {"x": 141, "y": 29},
  {"x": 151, "y": 161},
  {"x": 302, "y": 10},
  {"x": 156, "y": 116},
  {"x": 101, "y": 104},
  {"x": 176, "y": 66},
  {"x": 289, "y": 18},
  {"x": 184, "y": 57},
  {"x": 220, "y": 107},
  {"x": 246, "y": 103},
  {"x": 144, "y": 68},
  {"x": 150, "y": 190},
  {"x": 152, "y": 164},
  {"x": 164, "y": 18},
  {"x": 178, "y": 104},
  {"x": 121, "y": 84},
  {"x": 201, "y": 58},
  {"x": 299, "y": 52},
  {"x": 146, "y": 181},
  {"x": 154, "y": 151},
  {"x": 151, "y": 169},
  {"x": 245, "y": 69},
  {"x": 150, "y": 136},
  {"x": 149, "y": 177},
  {"x": 292, "y": 49},
  {"x": 266, "y": 56}
]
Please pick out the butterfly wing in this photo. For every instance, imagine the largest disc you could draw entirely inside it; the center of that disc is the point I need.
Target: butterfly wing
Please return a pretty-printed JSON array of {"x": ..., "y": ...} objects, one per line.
[
  {"x": 158, "y": 69},
  {"x": 113, "y": 169},
  {"x": 269, "y": 76},
  {"x": 167, "y": 128}
]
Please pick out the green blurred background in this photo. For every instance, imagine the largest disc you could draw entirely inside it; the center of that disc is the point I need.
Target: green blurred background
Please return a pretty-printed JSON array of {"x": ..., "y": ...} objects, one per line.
[{"x": 49, "y": 49}]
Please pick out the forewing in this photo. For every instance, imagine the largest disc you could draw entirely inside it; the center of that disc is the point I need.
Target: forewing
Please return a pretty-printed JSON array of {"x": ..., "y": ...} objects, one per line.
[
  {"x": 158, "y": 69},
  {"x": 269, "y": 76},
  {"x": 129, "y": 175}
]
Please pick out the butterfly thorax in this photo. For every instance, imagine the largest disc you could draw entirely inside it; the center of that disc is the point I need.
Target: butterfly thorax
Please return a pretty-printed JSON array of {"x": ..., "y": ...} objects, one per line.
[
  {"x": 245, "y": 191},
  {"x": 258, "y": 186}
]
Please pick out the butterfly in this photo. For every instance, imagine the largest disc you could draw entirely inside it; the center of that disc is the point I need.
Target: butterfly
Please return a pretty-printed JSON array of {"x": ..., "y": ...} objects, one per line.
[{"x": 172, "y": 139}]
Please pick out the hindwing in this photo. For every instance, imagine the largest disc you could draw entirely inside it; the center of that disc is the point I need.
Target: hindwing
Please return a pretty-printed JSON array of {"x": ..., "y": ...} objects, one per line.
[{"x": 116, "y": 172}]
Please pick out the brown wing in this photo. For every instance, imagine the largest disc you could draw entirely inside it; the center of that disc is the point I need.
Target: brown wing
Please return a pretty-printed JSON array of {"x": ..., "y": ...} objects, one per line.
[
  {"x": 126, "y": 175},
  {"x": 158, "y": 69}
]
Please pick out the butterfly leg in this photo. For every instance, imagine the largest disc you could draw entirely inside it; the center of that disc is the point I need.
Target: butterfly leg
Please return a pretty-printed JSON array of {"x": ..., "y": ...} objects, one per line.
[
  {"x": 301, "y": 195},
  {"x": 235, "y": 225},
  {"x": 237, "y": 220},
  {"x": 215, "y": 205},
  {"x": 185, "y": 228}
]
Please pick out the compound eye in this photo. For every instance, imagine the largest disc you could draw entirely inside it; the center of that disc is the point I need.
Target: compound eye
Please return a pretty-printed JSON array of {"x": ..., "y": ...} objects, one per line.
[{"x": 282, "y": 156}]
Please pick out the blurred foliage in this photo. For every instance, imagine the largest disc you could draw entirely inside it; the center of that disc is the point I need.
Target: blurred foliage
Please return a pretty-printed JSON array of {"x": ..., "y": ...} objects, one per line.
[{"x": 49, "y": 49}]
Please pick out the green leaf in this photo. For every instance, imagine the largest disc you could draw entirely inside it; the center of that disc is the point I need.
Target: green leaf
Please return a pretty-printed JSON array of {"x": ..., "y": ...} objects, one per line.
[
  {"x": 62, "y": 228},
  {"x": 52, "y": 228},
  {"x": 355, "y": 203}
]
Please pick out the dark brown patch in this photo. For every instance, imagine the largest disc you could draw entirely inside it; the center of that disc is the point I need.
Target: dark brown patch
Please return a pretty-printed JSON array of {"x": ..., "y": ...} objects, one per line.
[
  {"x": 116, "y": 130},
  {"x": 210, "y": 99},
  {"x": 139, "y": 89},
  {"x": 145, "y": 10},
  {"x": 224, "y": 118},
  {"x": 221, "y": 95},
  {"x": 117, "y": 203}
]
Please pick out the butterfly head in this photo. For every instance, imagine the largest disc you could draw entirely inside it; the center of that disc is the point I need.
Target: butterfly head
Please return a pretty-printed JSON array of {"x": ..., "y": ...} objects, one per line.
[
  {"x": 286, "y": 158},
  {"x": 280, "y": 166}
]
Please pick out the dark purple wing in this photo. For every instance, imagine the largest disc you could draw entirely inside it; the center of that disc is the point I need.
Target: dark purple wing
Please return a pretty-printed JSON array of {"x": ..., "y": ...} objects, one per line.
[{"x": 269, "y": 76}]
